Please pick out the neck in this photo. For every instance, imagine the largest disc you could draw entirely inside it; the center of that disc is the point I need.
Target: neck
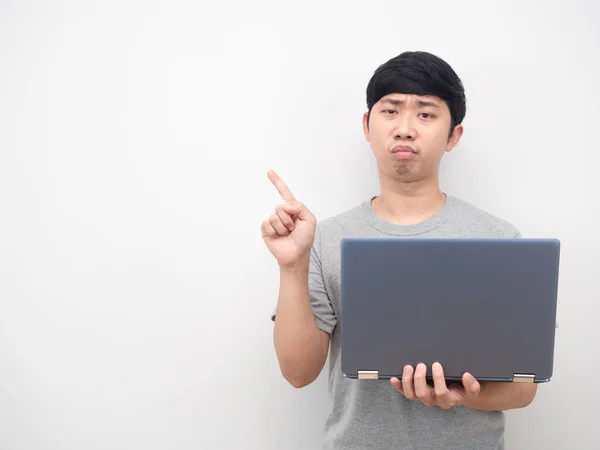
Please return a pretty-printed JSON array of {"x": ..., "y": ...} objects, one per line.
[{"x": 408, "y": 203}]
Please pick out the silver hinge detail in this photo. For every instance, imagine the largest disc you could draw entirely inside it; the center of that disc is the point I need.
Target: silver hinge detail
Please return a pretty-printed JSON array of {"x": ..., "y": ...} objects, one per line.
[
  {"x": 523, "y": 378},
  {"x": 368, "y": 374}
]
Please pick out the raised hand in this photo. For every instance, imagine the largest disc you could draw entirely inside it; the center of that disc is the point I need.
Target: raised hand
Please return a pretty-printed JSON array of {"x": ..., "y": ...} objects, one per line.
[{"x": 289, "y": 233}]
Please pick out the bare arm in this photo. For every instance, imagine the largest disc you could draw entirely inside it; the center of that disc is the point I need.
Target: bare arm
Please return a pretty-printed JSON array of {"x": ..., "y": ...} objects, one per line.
[
  {"x": 503, "y": 396},
  {"x": 300, "y": 345}
]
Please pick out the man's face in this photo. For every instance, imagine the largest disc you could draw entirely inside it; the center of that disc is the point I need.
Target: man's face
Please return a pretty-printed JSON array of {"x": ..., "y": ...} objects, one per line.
[{"x": 409, "y": 135}]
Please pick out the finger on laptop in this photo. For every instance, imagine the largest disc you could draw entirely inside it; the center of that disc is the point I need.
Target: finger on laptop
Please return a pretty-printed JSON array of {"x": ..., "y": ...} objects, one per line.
[
  {"x": 422, "y": 390},
  {"x": 407, "y": 383},
  {"x": 442, "y": 393}
]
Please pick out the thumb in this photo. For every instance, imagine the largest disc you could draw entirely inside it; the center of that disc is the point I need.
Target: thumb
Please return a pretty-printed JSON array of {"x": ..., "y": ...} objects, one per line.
[
  {"x": 297, "y": 209},
  {"x": 472, "y": 386}
]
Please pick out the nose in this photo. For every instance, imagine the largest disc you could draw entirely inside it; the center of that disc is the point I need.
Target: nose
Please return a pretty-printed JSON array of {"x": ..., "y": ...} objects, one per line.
[{"x": 404, "y": 128}]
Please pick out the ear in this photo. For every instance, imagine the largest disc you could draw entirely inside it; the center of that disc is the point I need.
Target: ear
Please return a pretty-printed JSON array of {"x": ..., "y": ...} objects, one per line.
[
  {"x": 454, "y": 137},
  {"x": 365, "y": 124}
]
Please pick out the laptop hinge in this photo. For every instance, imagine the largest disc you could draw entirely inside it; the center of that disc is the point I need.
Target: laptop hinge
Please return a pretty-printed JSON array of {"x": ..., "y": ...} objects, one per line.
[
  {"x": 523, "y": 378},
  {"x": 368, "y": 374}
]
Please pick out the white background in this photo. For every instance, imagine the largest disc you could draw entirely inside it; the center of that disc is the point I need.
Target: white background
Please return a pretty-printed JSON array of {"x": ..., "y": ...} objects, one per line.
[{"x": 135, "y": 289}]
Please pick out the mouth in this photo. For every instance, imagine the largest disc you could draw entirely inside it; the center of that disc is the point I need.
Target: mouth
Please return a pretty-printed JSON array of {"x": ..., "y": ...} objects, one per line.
[{"x": 403, "y": 152}]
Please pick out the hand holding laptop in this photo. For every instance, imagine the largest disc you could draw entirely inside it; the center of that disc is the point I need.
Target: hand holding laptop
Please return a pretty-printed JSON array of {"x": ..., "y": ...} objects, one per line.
[
  {"x": 290, "y": 232},
  {"x": 414, "y": 387}
]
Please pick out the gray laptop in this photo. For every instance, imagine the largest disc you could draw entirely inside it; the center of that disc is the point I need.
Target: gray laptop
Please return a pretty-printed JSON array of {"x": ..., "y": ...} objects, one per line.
[{"x": 483, "y": 306}]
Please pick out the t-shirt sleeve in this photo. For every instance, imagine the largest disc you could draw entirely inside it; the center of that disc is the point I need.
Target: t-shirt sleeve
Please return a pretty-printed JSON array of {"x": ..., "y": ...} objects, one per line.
[
  {"x": 319, "y": 298},
  {"x": 516, "y": 233}
]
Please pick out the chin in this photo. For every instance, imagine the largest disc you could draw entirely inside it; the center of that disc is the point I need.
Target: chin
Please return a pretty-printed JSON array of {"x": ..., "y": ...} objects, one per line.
[
  {"x": 405, "y": 175},
  {"x": 404, "y": 172}
]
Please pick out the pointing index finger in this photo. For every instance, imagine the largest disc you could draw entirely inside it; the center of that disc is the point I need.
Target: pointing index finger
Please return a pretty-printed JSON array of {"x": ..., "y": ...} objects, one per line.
[{"x": 282, "y": 188}]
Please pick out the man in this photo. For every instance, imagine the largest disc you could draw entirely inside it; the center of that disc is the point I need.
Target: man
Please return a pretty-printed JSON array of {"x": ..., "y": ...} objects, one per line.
[{"x": 416, "y": 105}]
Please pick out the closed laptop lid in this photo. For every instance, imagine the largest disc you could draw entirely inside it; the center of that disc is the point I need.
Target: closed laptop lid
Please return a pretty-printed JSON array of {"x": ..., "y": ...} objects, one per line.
[{"x": 484, "y": 306}]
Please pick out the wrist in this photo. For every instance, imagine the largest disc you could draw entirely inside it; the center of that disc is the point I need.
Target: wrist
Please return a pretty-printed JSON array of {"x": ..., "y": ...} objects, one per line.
[{"x": 299, "y": 267}]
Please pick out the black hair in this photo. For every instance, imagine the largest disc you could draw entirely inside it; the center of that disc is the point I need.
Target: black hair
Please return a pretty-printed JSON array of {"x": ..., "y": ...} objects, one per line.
[{"x": 419, "y": 73}]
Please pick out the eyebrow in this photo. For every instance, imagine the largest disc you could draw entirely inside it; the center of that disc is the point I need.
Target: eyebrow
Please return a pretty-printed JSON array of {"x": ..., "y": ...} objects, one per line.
[{"x": 422, "y": 103}]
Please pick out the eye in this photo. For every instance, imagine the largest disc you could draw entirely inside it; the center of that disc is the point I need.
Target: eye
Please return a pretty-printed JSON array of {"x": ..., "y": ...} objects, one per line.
[
  {"x": 429, "y": 115},
  {"x": 389, "y": 111}
]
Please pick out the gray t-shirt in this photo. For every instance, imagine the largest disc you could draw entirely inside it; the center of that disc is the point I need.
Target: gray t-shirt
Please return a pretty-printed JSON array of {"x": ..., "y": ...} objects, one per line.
[{"x": 373, "y": 415}]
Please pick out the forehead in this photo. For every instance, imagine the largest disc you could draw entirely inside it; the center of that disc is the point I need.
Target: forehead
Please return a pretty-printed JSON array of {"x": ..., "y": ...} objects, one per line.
[{"x": 398, "y": 99}]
